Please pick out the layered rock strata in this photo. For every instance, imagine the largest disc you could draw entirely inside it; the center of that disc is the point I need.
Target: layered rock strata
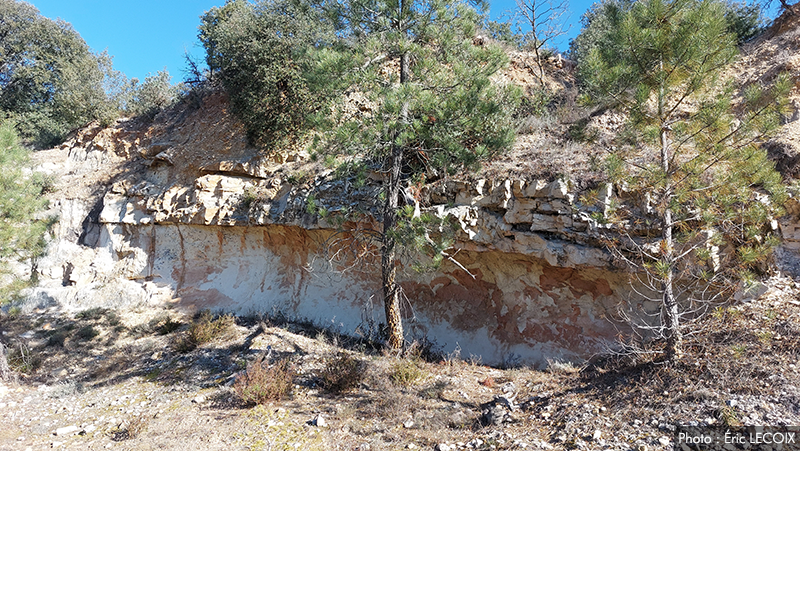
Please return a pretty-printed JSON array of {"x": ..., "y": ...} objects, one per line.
[{"x": 157, "y": 217}]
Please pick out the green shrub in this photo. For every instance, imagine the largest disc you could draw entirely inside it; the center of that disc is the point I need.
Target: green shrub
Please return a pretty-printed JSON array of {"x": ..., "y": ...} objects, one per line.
[
  {"x": 744, "y": 20},
  {"x": 91, "y": 314},
  {"x": 405, "y": 372},
  {"x": 260, "y": 52},
  {"x": 152, "y": 95},
  {"x": 96, "y": 314},
  {"x": 57, "y": 339},
  {"x": 86, "y": 333},
  {"x": 263, "y": 383},
  {"x": 168, "y": 326},
  {"x": 342, "y": 372}
]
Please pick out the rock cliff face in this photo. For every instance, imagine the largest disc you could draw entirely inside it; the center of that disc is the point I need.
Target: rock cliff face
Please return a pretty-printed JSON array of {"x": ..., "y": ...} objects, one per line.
[{"x": 182, "y": 211}]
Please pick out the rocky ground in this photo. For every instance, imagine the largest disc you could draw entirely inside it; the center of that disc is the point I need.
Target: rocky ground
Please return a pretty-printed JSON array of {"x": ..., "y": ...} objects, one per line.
[{"x": 99, "y": 380}]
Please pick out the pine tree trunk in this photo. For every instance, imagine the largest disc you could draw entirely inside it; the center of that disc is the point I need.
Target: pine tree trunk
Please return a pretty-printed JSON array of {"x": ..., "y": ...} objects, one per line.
[
  {"x": 391, "y": 289},
  {"x": 669, "y": 308},
  {"x": 5, "y": 370},
  {"x": 672, "y": 328}
]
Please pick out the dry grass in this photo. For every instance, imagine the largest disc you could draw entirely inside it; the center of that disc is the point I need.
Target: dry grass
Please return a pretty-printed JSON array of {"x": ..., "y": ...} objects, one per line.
[
  {"x": 132, "y": 429},
  {"x": 406, "y": 371},
  {"x": 263, "y": 383},
  {"x": 342, "y": 372},
  {"x": 161, "y": 399},
  {"x": 205, "y": 329}
]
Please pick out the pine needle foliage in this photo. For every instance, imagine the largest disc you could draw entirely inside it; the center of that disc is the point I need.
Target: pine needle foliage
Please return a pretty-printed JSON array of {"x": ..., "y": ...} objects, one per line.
[
  {"x": 690, "y": 160},
  {"x": 22, "y": 235},
  {"x": 431, "y": 109}
]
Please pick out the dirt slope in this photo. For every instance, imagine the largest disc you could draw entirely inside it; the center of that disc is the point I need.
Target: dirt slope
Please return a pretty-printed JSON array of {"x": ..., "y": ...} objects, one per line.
[{"x": 102, "y": 381}]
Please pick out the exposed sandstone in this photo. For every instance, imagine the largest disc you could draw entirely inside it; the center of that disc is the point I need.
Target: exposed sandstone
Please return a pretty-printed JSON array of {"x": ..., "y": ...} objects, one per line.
[{"x": 184, "y": 211}]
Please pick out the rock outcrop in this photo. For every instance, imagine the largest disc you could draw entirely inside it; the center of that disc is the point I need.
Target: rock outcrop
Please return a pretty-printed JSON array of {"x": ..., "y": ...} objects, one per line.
[
  {"x": 181, "y": 210},
  {"x": 168, "y": 214}
]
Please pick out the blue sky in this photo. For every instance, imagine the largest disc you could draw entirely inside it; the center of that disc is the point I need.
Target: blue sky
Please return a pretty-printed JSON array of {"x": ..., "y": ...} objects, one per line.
[
  {"x": 146, "y": 36},
  {"x": 143, "y": 36}
]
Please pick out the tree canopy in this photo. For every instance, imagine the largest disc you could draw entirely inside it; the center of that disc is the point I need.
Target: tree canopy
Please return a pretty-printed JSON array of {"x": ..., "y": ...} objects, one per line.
[
  {"x": 264, "y": 54},
  {"x": 50, "y": 81},
  {"x": 744, "y": 20}
]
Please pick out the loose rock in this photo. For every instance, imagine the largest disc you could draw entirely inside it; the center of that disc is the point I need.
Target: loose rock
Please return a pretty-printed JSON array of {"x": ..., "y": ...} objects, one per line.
[{"x": 67, "y": 430}]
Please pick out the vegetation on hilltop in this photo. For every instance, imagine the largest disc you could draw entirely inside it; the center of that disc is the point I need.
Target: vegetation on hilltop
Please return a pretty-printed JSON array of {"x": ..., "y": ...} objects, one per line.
[
  {"x": 267, "y": 56},
  {"x": 744, "y": 20},
  {"x": 52, "y": 83}
]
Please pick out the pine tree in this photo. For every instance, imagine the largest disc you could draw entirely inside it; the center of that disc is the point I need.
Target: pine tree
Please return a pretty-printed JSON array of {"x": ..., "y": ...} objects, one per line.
[
  {"x": 688, "y": 154},
  {"x": 21, "y": 235},
  {"x": 434, "y": 109}
]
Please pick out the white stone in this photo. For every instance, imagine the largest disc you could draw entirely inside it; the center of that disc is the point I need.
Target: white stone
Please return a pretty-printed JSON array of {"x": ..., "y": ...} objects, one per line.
[
  {"x": 533, "y": 188},
  {"x": 67, "y": 430},
  {"x": 521, "y": 211},
  {"x": 550, "y": 223},
  {"x": 555, "y": 189}
]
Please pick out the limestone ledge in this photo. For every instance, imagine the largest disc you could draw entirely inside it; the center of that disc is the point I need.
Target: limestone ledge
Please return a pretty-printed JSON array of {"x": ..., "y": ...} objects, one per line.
[{"x": 539, "y": 218}]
